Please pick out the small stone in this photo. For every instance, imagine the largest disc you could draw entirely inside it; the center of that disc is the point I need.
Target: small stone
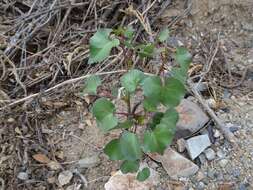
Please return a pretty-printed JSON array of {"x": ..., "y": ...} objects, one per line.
[
  {"x": 200, "y": 176},
  {"x": 242, "y": 187},
  {"x": 196, "y": 145},
  {"x": 175, "y": 164},
  {"x": 65, "y": 177},
  {"x": 54, "y": 165},
  {"x": 200, "y": 186},
  {"x": 22, "y": 176},
  {"x": 191, "y": 116},
  {"x": 181, "y": 145},
  {"x": 209, "y": 153},
  {"x": 211, "y": 173},
  {"x": 89, "y": 162},
  {"x": 234, "y": 129},
  {"x": 216, "y": 133},
  {"x": 223, "y": 162},
  {"x": 202, "y": 158},
  {"x": 220, "y": 154}
]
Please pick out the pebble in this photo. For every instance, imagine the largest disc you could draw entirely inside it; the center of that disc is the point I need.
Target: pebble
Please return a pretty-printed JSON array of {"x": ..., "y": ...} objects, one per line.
[
  {"x": 22, "y": 176},
  {"x": 223, "y": 162},
  {"x": 210, "y": 154},
  {"x": 216, "y": 133},
  {"x": 89, "y": 162},
  {"x": 200, "y": 176},
  {"x": 200, "y": 186},
  {"x": 181, "y": 145},
  {"x": 202, "y": 158},
  {"x": 220, "y": 154},
  {"x": 242, "y": 187},
  {"x": 65, "y": 177}
]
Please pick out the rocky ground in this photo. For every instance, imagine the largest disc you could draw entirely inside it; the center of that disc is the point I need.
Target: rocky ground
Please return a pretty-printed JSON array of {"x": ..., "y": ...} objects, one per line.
[{"x": 78, "y": 161}]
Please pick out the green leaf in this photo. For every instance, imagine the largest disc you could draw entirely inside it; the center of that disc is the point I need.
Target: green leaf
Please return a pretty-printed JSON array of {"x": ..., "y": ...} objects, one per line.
[
  {"x": 103, "y": 110},
  {"x": 172, "y": 92},
  {"x": 183, "y": 58},
  {"x": 157, "y": 140},
  {"x": 143, "y": 174},
  {"x": 113, "y": 150},
  {"x": 129, "y": 32},
  {"x": 168, "y": 94},
  {"x": 101, "y": 45},
  {"x": 162, "y": 134},
  {"x": 125, "y": 125},
  {"x": 150, "y": 104},
  {"x": 130, "y": 146},
  {"x": 180, "y": 74},
  {"x": 129, "y": 166},
  {"x": 163, "y": 35},
  {"x": 132, "y": 79},
  {"x": 91, "y": 84},
  {"x": 146, "y": 50},
  {"x": 156, "y": 119},
  {"x": 152, "y": 87}
]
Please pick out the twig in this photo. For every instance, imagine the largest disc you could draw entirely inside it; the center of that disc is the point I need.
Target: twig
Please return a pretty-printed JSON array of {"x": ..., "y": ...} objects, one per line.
[
  {"x": 70, "y": 81},
  {"x": 220, "y": 124}
]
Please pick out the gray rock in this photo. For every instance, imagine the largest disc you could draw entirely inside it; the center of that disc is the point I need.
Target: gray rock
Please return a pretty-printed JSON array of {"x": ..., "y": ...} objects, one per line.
[
  {"x": 89, "y": 162},
  {"x": 176, "y": 165},
  {"x": 210, "y": 154},
  {"x": 22, "y": 176},
  {"x": 196, "y": 145},
  {"x": 242, "y": 187},
  {"x": 191, "y": 116},
  {"x": 181, "y": 145},
  {"x": 200, "y": 186}
]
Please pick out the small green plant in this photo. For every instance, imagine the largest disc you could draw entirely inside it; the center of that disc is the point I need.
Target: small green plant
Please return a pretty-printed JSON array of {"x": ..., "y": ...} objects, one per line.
[{"x": 167, "y": 91}]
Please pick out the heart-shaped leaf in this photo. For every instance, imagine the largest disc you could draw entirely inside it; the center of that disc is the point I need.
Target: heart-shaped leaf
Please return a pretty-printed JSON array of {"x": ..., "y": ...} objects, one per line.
[
  {"x": 130, "y": 146},
  {"x": 101, "y": 45},
  {"x": 104, "y": 110},
  {"x": 163, "y": 35},
  {"x": 113, "y": 150},
  {"x": 172, "y": 92},
  {"x": 169, "y": 94},
  {"x": 91, "y": 84},
  {"x": 132, "y": 79},
  {"x": 143, "y": 174},
  {"x": 129, "y": 166},
  {"x": 183, "y": 58},
  {"x": 162, "y": 135}
]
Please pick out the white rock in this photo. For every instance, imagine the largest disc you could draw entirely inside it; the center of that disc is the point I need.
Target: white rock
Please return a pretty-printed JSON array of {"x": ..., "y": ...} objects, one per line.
[
  {"x": 191, "y": 116},
  {"x": 65, "y": 177},
  {"x": 196, "y": 145},
  {"x": 22, "y": 176},
  {"x": 175, "y": 164},
  {"x": 217, "y": 133},
  {"x": 120, "y": 181},
  {"x": 210, "y": 154},
  {"x": 89, "y": 162}
]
